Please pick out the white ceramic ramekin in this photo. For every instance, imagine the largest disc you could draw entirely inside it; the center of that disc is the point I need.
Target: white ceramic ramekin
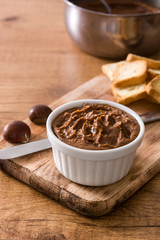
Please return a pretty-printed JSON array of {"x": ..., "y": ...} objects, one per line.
[{"x": 93, "y": 167}]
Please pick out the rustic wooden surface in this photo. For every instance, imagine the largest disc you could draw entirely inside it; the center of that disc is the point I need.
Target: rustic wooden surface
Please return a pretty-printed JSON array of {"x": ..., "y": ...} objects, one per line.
[
  {"x": 38, "y": 170},
  {"x": 38, "y": 64}
]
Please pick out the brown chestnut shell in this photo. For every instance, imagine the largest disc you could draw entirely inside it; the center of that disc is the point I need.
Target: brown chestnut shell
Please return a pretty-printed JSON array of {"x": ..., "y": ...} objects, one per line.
[
  {"x": 17, "y": 132},
  {"x": 38, "y": 114}
]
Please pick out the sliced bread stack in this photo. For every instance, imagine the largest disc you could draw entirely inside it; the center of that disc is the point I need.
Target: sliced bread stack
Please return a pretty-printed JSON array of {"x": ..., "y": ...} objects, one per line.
[{"x": 133, "y": 79}]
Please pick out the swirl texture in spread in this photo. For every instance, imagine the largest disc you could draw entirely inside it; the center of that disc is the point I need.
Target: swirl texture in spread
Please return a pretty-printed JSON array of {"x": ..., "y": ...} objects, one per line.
[{"x": 95, "y": 127}]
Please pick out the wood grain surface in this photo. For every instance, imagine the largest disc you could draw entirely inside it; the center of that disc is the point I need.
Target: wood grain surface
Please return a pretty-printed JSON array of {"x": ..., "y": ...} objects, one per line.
[
  {"x": 39, "y": 171},
  {"x": 38, "y": 64}
]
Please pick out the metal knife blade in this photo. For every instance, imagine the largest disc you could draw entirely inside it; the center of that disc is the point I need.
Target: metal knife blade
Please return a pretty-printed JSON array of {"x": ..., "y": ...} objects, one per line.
[{"x": 24, "y": 149}]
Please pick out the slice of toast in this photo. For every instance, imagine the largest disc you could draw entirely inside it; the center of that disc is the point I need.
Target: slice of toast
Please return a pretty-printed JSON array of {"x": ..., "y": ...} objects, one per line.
[
  {"x": 151, "y": 63},
  {"x": 153, "y": 89},
  {"x": 109, "y": 68},
  {"x": 130, "y": 73},
  {"x": 152, "y": 73},
  {"x": 129, "y": 94}
]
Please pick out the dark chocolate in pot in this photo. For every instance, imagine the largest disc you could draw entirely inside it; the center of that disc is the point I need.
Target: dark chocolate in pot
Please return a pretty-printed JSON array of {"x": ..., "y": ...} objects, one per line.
[
  {"x": 119, "y": 7},
  {"x": 95, "y": 127}
]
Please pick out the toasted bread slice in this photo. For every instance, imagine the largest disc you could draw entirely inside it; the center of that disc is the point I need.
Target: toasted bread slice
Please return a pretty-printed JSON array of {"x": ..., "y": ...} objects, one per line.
[
  {"x": 130, "y": 73},
  {"x": 153, "y": 89},
  {"x": 129, "y": 94},
  {"x": 151, "y": 63},
  {"x": 108, "y": 69},
  {"x": 149, "y": 98},
  {"x": 152, "y": 73}
]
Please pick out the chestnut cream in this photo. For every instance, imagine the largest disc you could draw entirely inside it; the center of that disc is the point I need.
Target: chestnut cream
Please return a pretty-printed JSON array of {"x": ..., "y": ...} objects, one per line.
[{"x": 95, "y": 127}]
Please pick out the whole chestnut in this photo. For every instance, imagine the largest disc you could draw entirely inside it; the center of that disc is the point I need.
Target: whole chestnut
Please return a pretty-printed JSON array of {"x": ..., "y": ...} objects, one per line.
[
  {"x": 38, "y": 114},
  {"x": 17, "y": 132}
]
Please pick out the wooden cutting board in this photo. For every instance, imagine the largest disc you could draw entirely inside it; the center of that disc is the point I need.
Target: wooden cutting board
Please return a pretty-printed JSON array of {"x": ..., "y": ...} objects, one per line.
[{"x": 38, "y": 169}]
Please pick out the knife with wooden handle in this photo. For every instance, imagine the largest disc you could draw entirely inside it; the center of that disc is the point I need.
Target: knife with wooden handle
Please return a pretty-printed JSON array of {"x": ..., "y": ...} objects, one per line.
[{"x": 150, "y": 117}]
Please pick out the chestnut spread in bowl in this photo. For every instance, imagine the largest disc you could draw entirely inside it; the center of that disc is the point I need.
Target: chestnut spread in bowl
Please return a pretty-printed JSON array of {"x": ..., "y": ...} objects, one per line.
[{"x": 95, "y": 127}]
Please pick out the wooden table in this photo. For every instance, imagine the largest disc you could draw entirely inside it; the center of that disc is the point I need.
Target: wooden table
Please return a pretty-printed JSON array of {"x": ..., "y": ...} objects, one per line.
[{"x": 38, "y": 64}]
